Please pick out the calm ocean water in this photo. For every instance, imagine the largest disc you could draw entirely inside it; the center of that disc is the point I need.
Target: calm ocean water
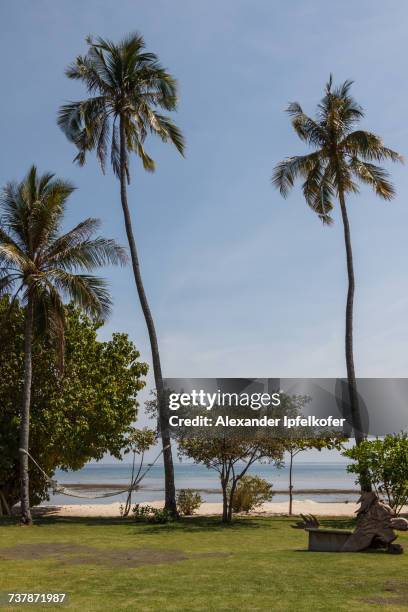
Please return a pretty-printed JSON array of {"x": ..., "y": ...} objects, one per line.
[{"x": 309, "y": 476}]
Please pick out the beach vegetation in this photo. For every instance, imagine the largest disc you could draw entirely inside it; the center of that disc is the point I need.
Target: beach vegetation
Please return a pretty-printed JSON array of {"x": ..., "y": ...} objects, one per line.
[
  {"x": 342, "y": 157},
  {"x": 128, "y": 88},
  {"x": 188, "y": 501},
  {"x": 231, "y": 457},
  {"x": 75, "y": 417},
  {"x": 41, "y": 266},
  {"x": 386, "y": 463},
  {"x": 150, "y": 514},
  {"x": 303, "y": 439},
  {"x": 251, "y": 492}
]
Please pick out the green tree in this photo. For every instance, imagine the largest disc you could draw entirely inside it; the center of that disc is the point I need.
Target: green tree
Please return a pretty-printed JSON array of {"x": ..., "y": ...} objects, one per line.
[
  {"x": 302, "y": 440},
  {"x": 386, "y": 463},
  {"x": 138, "y": 442},
  {"x": 231, "y": 456},
  {"x": 76, "y": 417},
  {"x": 40, "y": 264},
  {"x": 127, "y": 85},
  {"x": 342, "y": 156}
]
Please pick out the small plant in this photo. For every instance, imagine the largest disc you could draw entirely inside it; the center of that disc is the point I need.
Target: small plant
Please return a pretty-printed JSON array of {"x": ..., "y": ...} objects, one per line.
[
  {"x": 151, "y": 515},
  {"x": 160, "y": 516},
  {"x": 251, "y": 492},
  {"x": 141, "y": 513},
  {"x": 188, "y": 501}
]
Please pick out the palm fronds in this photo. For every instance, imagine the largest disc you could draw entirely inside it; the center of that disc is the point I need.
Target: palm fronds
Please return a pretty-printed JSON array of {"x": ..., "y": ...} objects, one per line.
[
  {"x": 340, "y": 154},
  {"x": 45, "y": 265},
  {"x": 126, "y": 83}
]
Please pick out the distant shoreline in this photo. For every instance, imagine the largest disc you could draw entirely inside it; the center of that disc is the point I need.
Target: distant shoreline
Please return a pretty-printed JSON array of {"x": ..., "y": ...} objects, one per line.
[{"x": 81, "y": 486}]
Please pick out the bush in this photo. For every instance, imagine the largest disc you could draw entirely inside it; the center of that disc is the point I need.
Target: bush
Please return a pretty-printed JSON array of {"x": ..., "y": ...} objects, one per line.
[
  {"x": 151, "y": 515},
  {"x": 385, "y": 464},
  {"x": 188, "y": 501},
  {"x": 251, "y": 492}
]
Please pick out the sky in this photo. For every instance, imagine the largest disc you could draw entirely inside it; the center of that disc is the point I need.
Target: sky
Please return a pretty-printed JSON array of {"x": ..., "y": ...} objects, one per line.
[{"x": 241, "y": 282}]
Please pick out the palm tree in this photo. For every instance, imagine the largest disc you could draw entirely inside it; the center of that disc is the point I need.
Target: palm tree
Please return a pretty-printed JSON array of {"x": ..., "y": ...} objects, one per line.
[
  {"x": 342, "y": 156},
  {"x": 126, "y": 85},
  {"x": 41, "y": 265}
]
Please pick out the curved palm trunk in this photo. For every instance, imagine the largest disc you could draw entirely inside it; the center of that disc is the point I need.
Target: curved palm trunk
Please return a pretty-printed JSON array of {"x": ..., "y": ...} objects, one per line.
[
  {"x": 291, "y": 484},
  {"x": 351, "y": 376},
  {"x": 170, "y": 492},
  {"x": 25, "y": 418}
]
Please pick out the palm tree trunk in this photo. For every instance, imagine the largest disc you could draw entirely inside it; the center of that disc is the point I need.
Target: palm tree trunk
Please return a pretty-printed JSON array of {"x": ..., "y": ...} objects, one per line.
[
  {"x": 291, "y": 484},
  {"x": 170, "y": 492},
  {"x": 25, "y": 417},
  {"x": 351, "y": 375},
  {"x": 4, "y": 506}
]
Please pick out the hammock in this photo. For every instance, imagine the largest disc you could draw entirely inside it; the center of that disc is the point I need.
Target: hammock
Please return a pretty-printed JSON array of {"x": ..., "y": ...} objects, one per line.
[{"x": 57, "y": 488}]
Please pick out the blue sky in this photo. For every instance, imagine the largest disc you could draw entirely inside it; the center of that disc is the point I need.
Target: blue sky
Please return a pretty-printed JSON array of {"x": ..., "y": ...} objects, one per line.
[{"x": 241, "y": 282}]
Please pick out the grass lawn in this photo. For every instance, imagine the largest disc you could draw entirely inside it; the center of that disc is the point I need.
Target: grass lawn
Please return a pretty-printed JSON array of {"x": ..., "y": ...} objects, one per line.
[{"x": 195, "y": 564}]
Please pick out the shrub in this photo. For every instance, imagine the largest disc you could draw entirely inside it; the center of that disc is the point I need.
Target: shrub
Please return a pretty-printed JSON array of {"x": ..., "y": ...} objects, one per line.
[
  {"x": 160, "y": 516},
  {"x": 188, "y": 501},
  {"x": 151, "y": 515},
  {"x": 141, "y": 513},
  {"x": 251, "y": 492},
  {"x": 385, "y": 464}
]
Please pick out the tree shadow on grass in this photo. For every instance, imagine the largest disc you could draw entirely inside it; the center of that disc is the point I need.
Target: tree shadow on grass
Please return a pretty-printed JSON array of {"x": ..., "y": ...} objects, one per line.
[
  {"x": 197, "y": 524},
  {"x": 9, "y": 521},
  {"x": 193, "y": 524},
  {"x": 44, "y": 520}
]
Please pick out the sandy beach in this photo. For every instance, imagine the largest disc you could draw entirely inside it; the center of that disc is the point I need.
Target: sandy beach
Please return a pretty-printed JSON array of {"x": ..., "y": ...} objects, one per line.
[{"x": 207, "y": 509}]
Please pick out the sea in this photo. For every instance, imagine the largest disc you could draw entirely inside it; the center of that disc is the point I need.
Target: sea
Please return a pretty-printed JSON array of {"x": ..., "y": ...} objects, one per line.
[{"x": 324, "y": 482}]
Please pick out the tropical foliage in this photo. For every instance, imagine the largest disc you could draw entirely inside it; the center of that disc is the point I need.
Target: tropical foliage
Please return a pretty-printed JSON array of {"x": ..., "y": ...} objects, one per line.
[
  {"x": 386, "y": 463},
  {"x": 127, "y": 88},
  {"x": 342, "y": 157},
  {"x": 42, "y": 267},
  {"x": 76, "y": 417}
]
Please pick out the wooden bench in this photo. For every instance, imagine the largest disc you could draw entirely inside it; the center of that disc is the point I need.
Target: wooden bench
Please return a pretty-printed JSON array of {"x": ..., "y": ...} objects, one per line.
[{"x": 327, "y": 540}]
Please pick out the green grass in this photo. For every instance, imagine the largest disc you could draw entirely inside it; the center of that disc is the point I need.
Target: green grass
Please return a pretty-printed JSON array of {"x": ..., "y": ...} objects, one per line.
[{"x": 256, "y": 564}]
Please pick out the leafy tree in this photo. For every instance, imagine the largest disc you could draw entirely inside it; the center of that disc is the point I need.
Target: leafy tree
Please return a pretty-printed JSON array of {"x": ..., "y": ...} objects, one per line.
[
  {"x": 386, "y": 463},
  {"x": 76, "y": 417},
  {"x": 41, "y": 265},
  {"x": 300, "y": 441},
  {"x": 138, "y": 442},
  {"x": 341, "y": 157},
  {"x": 231, "y": 456},
  {"x": 231, "y": 452},
  {"x": 126, "y": 87}
]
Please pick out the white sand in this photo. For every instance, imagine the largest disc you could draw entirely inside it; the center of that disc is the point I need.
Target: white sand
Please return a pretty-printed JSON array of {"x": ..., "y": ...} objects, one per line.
[{"x": 208, "y": 509}]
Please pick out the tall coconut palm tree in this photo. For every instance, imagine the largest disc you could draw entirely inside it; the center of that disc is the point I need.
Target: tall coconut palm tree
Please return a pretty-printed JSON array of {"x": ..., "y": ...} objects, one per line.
[
  {"x": 41, "y": 266},
  {"x": 126, "y": 87},
  {"x": 342, "y": 157}
]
